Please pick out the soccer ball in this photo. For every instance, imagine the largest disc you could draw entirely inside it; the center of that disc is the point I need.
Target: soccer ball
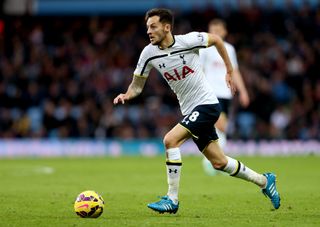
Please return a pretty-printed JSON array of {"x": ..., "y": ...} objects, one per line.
[{"x": 89, "y": 204}]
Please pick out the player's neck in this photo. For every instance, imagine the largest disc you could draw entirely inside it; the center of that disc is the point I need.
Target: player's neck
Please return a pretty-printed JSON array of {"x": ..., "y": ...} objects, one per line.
[{"x": 167, "y": 42}]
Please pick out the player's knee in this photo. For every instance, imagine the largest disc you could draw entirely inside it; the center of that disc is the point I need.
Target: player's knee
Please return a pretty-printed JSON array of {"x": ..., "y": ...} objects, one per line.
[
  {"x": 219, "y": 164},
  {"x": 169, "y": 141}
]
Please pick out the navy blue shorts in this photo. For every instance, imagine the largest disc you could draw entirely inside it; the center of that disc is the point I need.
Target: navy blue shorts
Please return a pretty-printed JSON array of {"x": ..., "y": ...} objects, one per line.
[
  {"x": 200, "y": 123},
  {"x": 225, "y": 105}
]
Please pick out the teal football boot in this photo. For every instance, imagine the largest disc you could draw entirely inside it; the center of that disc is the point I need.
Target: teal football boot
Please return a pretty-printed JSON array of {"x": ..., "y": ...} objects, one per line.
[
  {"x": 165, "y": 205},
  {"x": 271, "y": 190}
]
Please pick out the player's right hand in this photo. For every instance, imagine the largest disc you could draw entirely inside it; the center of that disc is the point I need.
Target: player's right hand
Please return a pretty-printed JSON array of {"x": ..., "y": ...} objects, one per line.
[{"x": 120, "y": 98}]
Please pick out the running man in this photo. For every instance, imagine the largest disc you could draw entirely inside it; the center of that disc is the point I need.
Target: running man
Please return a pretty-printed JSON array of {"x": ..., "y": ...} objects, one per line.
[
  {"x": 215, "y": 72},
  {"x": 176, "y": 57}
]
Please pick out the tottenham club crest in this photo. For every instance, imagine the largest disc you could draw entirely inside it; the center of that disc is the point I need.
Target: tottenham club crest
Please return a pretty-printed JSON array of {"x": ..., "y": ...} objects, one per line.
[
  {"x": 182, "y": 57},
  {"x": 200, "y": 37}
]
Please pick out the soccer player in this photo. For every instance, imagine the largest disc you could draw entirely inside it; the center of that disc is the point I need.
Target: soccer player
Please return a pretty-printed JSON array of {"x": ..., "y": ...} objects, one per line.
[
  {"x": 176, "y": 57},
  {"x": 215, "y": 72}
]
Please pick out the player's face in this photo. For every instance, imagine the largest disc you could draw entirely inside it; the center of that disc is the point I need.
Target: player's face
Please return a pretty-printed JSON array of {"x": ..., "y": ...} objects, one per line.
[
  {"x": 156, "y": 30},
  {"x": 218, "y": 30}
]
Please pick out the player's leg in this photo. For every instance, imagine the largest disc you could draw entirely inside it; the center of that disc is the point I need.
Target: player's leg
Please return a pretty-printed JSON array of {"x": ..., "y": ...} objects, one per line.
[
  {"x": 222, "y": 122},
  {"x": 237, "y": 169},
  {"x": 220, "y": 161},
  {"x": 172, "y": 141},
  {"x": 221, "y": 128}
]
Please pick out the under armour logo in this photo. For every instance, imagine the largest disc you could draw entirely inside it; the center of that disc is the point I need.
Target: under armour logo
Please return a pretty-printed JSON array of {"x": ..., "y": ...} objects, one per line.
[
  {"x": 162, "y": 65},
  {"x": 182, "y": 57},
  {"x": 173, "y": 170}
]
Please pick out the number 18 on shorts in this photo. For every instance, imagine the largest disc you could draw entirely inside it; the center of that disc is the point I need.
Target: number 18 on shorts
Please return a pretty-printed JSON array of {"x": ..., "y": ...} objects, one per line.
[{"x": 200, "y": 123}]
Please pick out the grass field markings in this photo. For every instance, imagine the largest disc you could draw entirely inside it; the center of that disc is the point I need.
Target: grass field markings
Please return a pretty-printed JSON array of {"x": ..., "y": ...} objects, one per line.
[
  {"x": 205, "y": 200},
  {"x": 44, "y": 170},
  {"x": 29, "y": 171}
]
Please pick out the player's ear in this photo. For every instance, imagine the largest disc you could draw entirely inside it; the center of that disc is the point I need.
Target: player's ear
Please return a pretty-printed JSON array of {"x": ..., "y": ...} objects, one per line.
[
  {"x": 224, "y": 32},
  {"x": 167, "y": 27}
]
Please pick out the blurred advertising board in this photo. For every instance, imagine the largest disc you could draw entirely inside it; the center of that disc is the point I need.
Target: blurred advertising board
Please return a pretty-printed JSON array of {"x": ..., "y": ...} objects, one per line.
[{"x": 151, "y": 147}]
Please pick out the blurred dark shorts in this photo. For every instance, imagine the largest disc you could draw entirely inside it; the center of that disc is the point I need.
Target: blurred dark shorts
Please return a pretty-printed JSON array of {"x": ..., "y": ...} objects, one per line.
[{"x": 225, "y": 105}]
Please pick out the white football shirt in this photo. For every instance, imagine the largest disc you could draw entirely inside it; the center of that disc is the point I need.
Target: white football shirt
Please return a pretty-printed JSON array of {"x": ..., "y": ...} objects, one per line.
[
  {"x": 215, "y": 70},
  {"x": 180, "y": 66}
]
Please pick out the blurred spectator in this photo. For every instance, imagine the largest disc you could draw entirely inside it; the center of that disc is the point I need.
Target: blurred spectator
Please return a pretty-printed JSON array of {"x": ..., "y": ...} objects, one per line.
[{"x": 58, "y": 75}]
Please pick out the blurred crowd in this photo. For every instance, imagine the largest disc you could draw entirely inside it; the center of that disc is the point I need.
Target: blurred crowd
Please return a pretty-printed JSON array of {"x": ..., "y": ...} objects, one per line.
[{"x": 59, "y": 75}]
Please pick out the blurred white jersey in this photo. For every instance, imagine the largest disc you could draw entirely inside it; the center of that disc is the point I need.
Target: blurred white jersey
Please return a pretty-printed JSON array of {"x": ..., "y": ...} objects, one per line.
[
  {"x": 215, "y": 70},
  {"x": 180, "y": 66}
]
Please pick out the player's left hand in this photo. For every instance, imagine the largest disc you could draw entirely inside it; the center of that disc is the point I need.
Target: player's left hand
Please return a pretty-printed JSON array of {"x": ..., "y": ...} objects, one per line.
[{"x": 230, "y": 83}]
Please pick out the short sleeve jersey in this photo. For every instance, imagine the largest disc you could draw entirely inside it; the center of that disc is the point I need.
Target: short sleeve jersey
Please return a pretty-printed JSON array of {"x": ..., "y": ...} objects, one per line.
[
  {"x": 215, "y": 70},
  {"x": 179, "y": 65}
]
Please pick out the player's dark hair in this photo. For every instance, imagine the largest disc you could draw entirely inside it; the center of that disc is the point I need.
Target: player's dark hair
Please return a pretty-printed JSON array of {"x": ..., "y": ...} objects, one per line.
[
  {"x": 218, "y": 22},
  {"x": 165, "y": 15}
]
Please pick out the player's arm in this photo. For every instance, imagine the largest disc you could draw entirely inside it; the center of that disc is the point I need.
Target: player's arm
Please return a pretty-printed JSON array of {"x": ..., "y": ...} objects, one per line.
[
  {"x": 243, "y": 93},
  {"x": 218, "y": 43},
  {"x": 215, "y": 40},
  {"x": 134, "y": 89}
]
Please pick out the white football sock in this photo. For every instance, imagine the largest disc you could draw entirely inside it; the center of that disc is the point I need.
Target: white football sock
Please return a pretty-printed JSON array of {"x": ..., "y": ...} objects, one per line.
[
  {"x": 173, "y": 164},
  {"x": 239, "y": 170}
]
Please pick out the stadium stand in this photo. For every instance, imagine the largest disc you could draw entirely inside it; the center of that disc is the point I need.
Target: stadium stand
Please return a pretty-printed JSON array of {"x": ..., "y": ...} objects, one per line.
[{"x": 59, "y": 74}]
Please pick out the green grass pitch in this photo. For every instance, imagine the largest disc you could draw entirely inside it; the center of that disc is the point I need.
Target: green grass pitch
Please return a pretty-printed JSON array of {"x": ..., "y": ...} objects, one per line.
[{"x": 41, "y": 192}]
